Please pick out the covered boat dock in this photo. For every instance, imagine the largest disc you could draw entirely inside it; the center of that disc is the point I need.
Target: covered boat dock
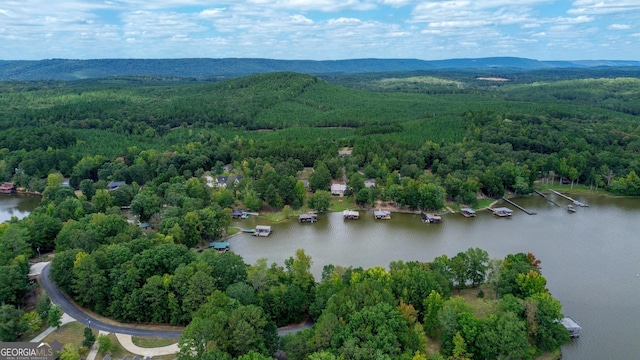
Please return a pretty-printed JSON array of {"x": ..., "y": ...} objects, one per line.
[
  {"x": 467, "y": 212},
  {"x": 350, "y": 215},
  {"x": 310, "y": 218},
  {"x": 502, "y": 211},
  {"x": 220, "y": 246},
  {"x": 262, "y": 230},
  {"x": 572, "y": 326},
  {"x": 431, "y": 218}
]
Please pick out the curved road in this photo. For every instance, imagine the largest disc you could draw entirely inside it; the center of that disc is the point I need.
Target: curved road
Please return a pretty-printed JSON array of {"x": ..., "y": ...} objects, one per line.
[{"x": 72, "y": 310}]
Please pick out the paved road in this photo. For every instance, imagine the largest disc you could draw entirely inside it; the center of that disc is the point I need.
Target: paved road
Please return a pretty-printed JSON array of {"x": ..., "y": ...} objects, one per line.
[
  {"x": 290, "y": 329},
  {"x": 72, "y": 310},
  {"x": 68, "y": 307}
]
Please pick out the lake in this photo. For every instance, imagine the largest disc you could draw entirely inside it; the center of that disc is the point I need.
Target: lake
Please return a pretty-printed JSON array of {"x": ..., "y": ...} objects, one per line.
[
  {"x": 591, "y": 258},
  {"x": 18, "y": 205}
]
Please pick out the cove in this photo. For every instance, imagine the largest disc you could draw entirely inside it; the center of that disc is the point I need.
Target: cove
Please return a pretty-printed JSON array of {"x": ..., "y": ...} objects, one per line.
[{"x": 590, "y": 257}]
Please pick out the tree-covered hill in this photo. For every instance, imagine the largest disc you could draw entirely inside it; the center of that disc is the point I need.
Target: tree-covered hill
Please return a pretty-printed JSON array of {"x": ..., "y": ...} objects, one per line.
[
  {"x": 585, "y": 130},
  {"x": 70, "y": 69}
]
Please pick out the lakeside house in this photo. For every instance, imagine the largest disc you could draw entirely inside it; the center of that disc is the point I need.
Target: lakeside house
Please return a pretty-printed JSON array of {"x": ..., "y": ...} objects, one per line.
[
  {"x": 338, "y": 189},
  {"x": 144, "y": 226},
  {"x": 370, "y": 183},
  {"x": 114, "y": 185},
  {"x": 344, "y": 152},
  {"x": 223, "y": 181}
]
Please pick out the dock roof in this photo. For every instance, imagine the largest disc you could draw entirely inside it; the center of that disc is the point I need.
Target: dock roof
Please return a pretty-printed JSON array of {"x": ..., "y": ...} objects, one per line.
[{"x": 219, "y": 245}]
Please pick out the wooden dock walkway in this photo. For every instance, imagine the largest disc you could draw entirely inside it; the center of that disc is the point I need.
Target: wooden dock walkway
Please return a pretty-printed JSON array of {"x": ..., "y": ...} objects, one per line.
[
  {"x": 519, "y": 207},
  {"x": 574, "y": 201},
  {"x": 546, "y": 197}
]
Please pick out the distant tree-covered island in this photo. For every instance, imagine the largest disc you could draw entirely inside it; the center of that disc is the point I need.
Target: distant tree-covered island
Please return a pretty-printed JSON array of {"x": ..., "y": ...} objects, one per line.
[{"x": 136, "y": 172}]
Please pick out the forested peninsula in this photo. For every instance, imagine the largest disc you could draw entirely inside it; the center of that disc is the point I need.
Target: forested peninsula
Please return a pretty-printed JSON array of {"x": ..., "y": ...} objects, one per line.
[{"x": 136, "y": 173}]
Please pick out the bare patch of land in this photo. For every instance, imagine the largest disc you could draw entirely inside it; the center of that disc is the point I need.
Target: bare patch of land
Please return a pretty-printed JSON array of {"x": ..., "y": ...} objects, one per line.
[{"x": 492, "y": 79}]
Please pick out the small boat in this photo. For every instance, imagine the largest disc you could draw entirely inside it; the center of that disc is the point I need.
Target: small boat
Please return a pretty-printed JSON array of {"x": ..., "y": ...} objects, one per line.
[
  {"x": 431, "y": 218},
  {"x": 247, "y": 230},
  {"x": 570, "y": 208}
]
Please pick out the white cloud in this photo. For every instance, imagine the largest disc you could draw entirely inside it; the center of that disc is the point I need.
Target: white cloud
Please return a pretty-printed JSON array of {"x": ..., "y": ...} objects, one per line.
[
  {"x": 604, "y": 6},
  {"x": 461, "y": 23},
  {"x": 213, "y": 13},
  {"x": 575, "y": 20},
  {"x": 317, "y": 29},
  {"x": 619, "y": 27},
  {"x": 317, "y": 5}
]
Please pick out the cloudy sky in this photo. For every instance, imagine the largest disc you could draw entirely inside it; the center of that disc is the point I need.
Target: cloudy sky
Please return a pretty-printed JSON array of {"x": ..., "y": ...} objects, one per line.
[{"x": 320, "y": 29}]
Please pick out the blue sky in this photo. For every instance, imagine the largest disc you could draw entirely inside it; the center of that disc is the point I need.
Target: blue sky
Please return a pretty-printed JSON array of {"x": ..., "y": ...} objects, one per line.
[{"x": 320, "y": 29}]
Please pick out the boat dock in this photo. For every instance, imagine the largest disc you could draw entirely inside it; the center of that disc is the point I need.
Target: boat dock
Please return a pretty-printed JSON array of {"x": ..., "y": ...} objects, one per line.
[
  {"x": 467, "y": 212},
  {"x": 546, "y": 197},
  {"x": 382, "y": 214},
  {"x": 262, "y": 230},
  {"x": 575, "y": 202},
  {"x": 350, "y": 215},
  {"x": 501, "y": 211},
  {"x": 572, "y": 326},
  {"x": 431, "y": 218},
  {"x": 519, "y": 207},
  {"x": 310, "y": 218}
]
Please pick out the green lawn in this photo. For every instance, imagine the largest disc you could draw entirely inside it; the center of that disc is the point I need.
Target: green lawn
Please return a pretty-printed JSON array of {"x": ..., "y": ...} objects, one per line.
[{"x": 145, "y": 342}]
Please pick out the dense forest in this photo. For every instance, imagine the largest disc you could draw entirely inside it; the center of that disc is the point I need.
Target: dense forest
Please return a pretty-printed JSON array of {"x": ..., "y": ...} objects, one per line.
[{"x": 180, "y": 154}]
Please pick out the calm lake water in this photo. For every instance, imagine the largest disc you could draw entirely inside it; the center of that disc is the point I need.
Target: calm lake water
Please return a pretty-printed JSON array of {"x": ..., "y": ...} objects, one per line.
[
  {"x": 591, "y": 258},
  {"x": 18, "y": 205}
]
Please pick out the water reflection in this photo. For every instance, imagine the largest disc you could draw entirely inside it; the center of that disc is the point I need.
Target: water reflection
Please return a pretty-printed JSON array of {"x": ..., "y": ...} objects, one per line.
[
  {"x": 590, "y": 257},
  {"x": 18, "y": 205}
]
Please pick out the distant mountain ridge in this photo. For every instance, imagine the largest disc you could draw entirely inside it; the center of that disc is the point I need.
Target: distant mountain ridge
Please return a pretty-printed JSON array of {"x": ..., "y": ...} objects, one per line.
[{"x": 67, "y": 69}]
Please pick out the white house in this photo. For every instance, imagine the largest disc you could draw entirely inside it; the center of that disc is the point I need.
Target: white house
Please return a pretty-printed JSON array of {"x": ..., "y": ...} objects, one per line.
[{"x": 338, "y": 189}]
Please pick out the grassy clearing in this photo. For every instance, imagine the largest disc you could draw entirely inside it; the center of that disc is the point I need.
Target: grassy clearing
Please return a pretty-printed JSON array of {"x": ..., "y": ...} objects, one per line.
[
  {"x": 576, "y": 189},
  {"x": 483, "y": 203},
  {"x": 145, "y": 342},
  {"x": 117, "y": 351},
  {"x": 342, "y": 203},
  {"x": 555, "y": 355},
  {"x": 71, "y": 333},
  {"x": 424, "y": 80},
  {"x": 482, "y": 307}
]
